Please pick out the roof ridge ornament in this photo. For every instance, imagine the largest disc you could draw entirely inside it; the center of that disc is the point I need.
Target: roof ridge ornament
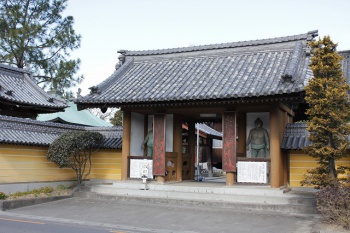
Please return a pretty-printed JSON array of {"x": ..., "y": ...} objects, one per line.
[
  {"x": 121, "y": 59},
  {"x": 9, "y": 92},
  {"x": 311, "y": 35},
  {"x": 79, "y": 93},
  {"x": 94, "y": 90}
]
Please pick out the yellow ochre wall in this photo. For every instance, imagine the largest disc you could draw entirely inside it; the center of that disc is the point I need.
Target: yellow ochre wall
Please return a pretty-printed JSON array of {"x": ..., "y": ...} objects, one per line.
[
  {"x": 300, "y": 162},
  {"x": 29, "y": 164},
  {"x": 106, "y": 164}
]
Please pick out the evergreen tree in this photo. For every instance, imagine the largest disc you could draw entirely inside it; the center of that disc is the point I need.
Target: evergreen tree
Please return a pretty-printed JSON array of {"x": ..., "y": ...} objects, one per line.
[
  {"x": 117, "y": 119},
  {"x": 328, "y": 99},
  {"x": 35, "y": 36}
]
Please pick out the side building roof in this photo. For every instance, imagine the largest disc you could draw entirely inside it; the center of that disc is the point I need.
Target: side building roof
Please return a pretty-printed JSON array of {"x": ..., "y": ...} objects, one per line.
[
  {"x": 21, "y": 131},
  {"x": 295, "y": 136},
  {"x": 19, "y": 93},
  {"x": 227, "y": 71},
  {"x": 346, "y": 64},
  {"x": 71, "y": 115}
]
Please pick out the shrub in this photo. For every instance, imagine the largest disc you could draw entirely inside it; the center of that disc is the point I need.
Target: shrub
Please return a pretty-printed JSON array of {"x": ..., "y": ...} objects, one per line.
[
  {"x": 334, "y": 204},
  {"x": 73, "y": 149},
  {"x": 3, "y": 196}
]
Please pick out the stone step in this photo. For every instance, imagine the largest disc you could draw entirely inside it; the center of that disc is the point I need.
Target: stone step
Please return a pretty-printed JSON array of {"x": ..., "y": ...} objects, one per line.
[{"x": 242, "y": 198}]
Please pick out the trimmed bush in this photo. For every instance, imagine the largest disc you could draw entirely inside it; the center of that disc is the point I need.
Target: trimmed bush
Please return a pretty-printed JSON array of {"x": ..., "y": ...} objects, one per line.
[
  {"x": 334, "y": 204},
  {"x": 73, "y": 149}
]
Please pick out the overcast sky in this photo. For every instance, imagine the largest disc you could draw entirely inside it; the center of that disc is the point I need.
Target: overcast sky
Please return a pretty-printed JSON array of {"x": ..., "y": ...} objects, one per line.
[{"x": 107, "y": 26}]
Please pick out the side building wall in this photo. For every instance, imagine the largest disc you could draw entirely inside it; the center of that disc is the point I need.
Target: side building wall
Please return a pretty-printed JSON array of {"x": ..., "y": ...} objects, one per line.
[
  {"x": 28, "y": 164},
  {"x": 300, "y": 163}
]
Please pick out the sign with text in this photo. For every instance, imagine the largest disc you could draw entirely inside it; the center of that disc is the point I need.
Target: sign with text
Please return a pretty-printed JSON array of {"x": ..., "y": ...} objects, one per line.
[
  {"x": 137, "y": 165},
  {"x": 252, "y": 172}
]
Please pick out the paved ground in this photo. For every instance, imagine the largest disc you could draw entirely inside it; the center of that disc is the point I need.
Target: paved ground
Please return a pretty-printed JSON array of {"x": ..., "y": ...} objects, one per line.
[{"x": 140, "y": 217}]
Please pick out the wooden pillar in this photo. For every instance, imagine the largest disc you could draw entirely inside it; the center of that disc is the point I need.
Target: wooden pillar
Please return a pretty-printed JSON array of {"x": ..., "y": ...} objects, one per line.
[
  {"x": 126, "y": 144},
  {"x": 159, "y": 147},
  {"x": 275, "y": 149},
  {"x": 177, "y": 142},
  {"x": 191, "y": 144},
  {"x": 229, "y": 154}
]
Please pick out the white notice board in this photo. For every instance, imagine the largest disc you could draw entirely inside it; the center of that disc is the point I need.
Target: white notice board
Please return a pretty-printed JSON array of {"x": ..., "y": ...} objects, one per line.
[
  {"x": 252, "y": 172},
  {"x": 136, "y": 168}
]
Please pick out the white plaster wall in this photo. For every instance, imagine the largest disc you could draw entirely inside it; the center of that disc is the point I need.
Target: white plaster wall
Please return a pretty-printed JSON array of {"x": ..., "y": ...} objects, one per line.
[
  {"x": 265, "y": 117},
  {"x": 137, "y": 134},
  {"x": 169, "y": 133}
]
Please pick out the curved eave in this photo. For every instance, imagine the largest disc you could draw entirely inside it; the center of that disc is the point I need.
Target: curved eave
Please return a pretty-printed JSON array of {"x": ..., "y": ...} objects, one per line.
[
  {"x": 117, "y": 146},
  {"x": 22, "y": 104},
  {"x": 24, "y": 143}
]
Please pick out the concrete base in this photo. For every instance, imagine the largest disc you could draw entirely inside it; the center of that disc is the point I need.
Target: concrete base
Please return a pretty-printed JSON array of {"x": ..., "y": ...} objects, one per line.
[
  {"x": 258, "y": 197},
  {"x": 24, "y": 187},
  {"x": 14, "y": 204}
]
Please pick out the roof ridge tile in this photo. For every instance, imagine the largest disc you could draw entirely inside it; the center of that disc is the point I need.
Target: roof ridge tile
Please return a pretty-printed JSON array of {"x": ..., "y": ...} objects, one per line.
[{"x": 306, "y": 36}]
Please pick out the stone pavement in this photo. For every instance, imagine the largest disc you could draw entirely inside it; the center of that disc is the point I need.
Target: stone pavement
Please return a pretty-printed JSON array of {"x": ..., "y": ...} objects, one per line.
[
  {"x": 135, "y": 216},
  {"x": 180, "y": 207}
]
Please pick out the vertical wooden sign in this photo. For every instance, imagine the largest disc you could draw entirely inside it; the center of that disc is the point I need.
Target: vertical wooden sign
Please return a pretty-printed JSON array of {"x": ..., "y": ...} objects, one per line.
[
  {"x": 229, "y": 154},
  {"x": 159, "y": 145}
]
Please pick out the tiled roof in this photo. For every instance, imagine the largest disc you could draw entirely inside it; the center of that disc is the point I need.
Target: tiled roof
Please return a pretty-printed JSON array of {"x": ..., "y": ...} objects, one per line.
[
  {"x": 211, "y": 72},
  {"x": 295, "y": 137},
  {"x": 72, "y": 116},
  {"x": 31, "y": 132},
  {"x": 17, "y": 87},
  {"x": 113, "y": 136}
]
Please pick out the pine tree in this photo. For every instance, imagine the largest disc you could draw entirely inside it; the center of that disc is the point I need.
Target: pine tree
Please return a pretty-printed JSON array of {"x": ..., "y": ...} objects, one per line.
[
  {"x": 328, "y": 99},
  {"x": 35, "y": 36}
]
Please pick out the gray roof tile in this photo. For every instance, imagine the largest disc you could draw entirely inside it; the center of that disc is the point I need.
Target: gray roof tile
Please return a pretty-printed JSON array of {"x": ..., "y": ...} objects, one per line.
[
  {"x": 224, "y": 71},
  {"x": 31, "y": 132},
  {"x": 24, "y": 89},
  {"x": 295, "y": 137},
  {"x": 346, "y": 64}
]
